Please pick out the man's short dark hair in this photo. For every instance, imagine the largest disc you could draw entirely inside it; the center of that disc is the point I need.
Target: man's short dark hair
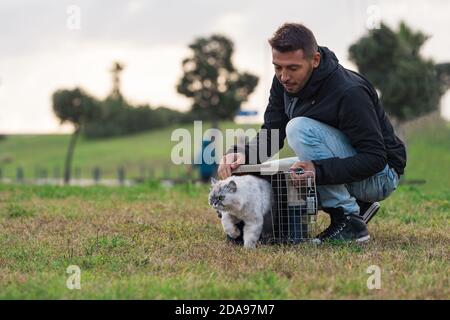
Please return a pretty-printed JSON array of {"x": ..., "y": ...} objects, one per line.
[{"x": 292, "y": 37}]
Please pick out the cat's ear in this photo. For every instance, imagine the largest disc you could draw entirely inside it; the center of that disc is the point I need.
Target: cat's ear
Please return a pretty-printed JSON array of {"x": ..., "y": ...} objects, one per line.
[
  {"x": 213, "y": 181},
  {"x": 231, "y": 186}
]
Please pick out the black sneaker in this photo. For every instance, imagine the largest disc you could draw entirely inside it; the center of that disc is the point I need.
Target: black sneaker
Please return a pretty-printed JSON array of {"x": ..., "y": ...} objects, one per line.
[
  {"x": 334, "y": 213},
  {"x": 346, "y": 228},
  {"x": 367, "y": 210}
]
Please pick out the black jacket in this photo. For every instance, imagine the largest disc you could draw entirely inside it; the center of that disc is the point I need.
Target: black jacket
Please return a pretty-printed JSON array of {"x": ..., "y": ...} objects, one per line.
[{"x": 347, "y": 101}]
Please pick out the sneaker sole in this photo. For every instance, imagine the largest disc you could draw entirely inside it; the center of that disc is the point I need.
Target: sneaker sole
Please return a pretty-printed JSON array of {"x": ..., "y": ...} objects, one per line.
[
  {"x": 359, "y": 240},
  {"x": 363, "y": 239},
  {"x": 371, "y": 212}
]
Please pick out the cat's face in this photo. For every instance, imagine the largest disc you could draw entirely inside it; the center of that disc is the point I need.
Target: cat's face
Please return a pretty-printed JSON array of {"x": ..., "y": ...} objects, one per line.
[{"x": 223, "y": 194}]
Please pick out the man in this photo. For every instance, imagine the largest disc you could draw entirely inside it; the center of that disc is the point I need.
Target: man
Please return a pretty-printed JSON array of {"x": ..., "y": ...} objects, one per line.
[{"x": 335, "y": 123}]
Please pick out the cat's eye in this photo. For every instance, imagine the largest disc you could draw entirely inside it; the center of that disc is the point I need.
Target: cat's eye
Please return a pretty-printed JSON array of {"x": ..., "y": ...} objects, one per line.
[{"x": 221, "y": 198}]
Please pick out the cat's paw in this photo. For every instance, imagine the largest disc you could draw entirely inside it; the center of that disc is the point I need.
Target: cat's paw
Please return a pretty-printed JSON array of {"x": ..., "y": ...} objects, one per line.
[
  {"x": 234, "y": 233},
  {"x": 250, "y": 245}
]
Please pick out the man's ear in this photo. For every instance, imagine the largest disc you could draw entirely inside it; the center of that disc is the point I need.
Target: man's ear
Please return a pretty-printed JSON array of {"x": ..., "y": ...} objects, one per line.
[
  {"x": 231, "y": 186},
  {"x": 213, "y": 181},
  {"x": 316, "y": 59}
]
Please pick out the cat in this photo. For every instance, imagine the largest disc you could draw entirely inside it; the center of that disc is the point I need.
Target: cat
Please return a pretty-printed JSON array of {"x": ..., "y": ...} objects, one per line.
[{"x": 242, "y": 198}]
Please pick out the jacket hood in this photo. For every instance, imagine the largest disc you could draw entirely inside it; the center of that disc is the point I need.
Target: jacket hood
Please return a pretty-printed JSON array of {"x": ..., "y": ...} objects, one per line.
[{"x": 328, "y": 64}]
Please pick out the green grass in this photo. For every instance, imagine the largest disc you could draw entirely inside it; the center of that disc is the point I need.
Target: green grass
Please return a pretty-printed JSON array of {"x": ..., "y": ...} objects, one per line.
[
  {"x": 15, "y": 210},
  {"x": 429, "y": 155},
  {"x": 148, "y": 241}
]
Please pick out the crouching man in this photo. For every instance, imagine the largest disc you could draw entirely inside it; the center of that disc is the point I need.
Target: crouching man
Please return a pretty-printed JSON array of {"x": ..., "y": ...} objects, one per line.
[{"x": 335, "y": 123}]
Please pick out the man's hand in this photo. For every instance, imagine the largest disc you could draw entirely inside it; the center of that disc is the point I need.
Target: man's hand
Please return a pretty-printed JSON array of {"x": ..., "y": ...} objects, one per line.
[
  {"x": 306, "y": 166},
  {"x": 229, "y": 162}
]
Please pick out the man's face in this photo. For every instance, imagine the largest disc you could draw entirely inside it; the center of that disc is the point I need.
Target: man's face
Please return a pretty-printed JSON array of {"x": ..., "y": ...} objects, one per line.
[{"x": 294, "y": 68}]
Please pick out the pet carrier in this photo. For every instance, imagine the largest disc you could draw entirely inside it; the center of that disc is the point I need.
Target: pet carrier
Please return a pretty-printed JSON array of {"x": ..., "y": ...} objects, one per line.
[{"x": 294, "y": 207}]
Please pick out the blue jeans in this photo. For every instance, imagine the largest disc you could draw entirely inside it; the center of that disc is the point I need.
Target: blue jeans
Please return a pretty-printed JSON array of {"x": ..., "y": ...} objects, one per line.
[{"x": 314, "y": 140}]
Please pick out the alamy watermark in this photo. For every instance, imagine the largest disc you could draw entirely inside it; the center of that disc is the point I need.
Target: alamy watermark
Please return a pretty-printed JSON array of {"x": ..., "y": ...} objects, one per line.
[
  {"x": 374, "y": 280},
  {"x": 255, "y": 150},
  {"x": 373, "y": 20},
  {"x": 74, "y": 280},
  {"x": 73, "y": 21}
]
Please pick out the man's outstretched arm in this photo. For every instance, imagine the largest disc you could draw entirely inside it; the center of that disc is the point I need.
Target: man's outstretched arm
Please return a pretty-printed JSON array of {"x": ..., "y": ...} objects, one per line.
[{"x": 275, "y": 121}]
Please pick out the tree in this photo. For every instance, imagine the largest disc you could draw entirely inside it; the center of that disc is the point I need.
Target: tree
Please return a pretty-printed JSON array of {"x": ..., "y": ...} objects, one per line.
[
  {"x": 117, "y": 117},
  {"x": 76, "y": 107},
  {"x": 410, "y": 85},
  {"x": 212, "y": 82},
  {"x": 443, "y": 74},
  {"x": 116, "y": 69}
]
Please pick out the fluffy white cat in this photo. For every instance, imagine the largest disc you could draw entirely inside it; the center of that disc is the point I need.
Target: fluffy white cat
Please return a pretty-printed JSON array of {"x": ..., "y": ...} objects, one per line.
[{"x": 242, "y": 198}]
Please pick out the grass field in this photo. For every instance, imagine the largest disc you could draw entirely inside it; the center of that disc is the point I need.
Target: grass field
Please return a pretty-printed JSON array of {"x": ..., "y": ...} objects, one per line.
[{"x": 150, "y": 242}]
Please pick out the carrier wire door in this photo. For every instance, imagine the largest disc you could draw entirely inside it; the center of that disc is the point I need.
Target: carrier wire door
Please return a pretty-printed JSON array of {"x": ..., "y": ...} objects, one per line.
[{"x": 294, "y": 206}]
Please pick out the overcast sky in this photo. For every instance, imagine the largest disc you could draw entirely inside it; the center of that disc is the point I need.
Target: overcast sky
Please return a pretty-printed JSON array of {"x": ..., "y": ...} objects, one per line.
[{"x": 40, "y": 51}]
